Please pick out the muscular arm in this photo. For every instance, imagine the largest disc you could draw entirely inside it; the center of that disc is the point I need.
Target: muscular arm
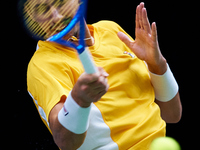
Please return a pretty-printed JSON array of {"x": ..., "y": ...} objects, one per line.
[
  {"x": 63, "y": 137},
  {"x": 146, "y": 48},
  {"x": 171, "y": 111},
  {"x": 89, "y": 88}
]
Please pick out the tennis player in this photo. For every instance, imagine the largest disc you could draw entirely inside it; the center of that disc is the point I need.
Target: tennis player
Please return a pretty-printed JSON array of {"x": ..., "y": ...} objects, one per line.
[{"x": 124, "y": 106}]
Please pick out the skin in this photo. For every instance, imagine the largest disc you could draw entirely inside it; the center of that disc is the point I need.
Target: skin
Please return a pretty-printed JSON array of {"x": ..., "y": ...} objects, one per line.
[
  {"x": 146, "y": 48},
  {"x": 91, "y": 87}
]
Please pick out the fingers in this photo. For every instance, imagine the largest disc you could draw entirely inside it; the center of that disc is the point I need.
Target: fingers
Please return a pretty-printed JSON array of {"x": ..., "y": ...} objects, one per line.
[
  {"x": 101, "y": 83},
  {"x": 102, "y": 72},
  {"x": 90, "y": 87},
  {"x": 139, "y": 15},
  {"x": 145, "y": 21},
  {"x": 137, "y": 24},
  {"x": 100, "y": 86},
  {"x": 90, "y": 78},
  {"x": 94, "y": 83},
  {"x": 142, "y": 21},
  {"x": 154, "y": 31}
]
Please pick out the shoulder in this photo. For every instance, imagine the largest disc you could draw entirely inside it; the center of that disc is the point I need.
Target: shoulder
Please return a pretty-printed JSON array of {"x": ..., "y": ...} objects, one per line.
[
  {"x": 108, "y": 25},
  {"x": 46, "y": 54},
  {"x": 52, "y": 62},
  {"x": 45, "y": 62}
]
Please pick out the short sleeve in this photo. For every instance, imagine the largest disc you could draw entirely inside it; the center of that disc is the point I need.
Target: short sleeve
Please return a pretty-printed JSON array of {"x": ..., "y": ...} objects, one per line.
[{"x": 48, "y": 79}]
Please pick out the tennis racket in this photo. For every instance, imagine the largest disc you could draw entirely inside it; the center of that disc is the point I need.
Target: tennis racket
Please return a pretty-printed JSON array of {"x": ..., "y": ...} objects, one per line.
[{"x": 52, "y": 20}]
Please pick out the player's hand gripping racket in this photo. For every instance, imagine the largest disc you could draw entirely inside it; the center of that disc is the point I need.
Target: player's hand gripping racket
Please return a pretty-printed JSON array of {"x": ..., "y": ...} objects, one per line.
[{"x": 54, "y": 19}]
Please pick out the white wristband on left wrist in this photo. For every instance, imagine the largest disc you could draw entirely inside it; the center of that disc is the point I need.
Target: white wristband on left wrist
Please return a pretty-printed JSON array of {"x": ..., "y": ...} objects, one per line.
[{"x": 165, "y": 86}]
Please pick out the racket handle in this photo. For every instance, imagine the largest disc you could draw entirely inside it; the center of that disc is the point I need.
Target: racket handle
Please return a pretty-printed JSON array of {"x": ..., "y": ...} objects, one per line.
[{"x": 87, "y": 62}]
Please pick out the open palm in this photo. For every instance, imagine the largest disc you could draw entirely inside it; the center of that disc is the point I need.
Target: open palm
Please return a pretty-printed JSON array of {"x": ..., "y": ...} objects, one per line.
[{"x": 145, "y": 45}]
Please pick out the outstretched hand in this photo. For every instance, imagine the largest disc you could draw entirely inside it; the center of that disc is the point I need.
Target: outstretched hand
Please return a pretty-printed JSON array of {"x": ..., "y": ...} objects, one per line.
[{"x": 145, "y": 46}]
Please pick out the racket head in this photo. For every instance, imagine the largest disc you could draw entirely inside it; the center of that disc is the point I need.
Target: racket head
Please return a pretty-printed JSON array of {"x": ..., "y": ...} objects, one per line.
[
  {"x": 80, "y": 19},
  {"x": 45, "y": 18}
]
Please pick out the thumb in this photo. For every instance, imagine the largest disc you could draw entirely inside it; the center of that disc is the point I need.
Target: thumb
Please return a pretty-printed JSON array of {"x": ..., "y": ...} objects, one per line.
[
  {"x": 124, "y": 38},
  {"x": 102, "y": 72}
]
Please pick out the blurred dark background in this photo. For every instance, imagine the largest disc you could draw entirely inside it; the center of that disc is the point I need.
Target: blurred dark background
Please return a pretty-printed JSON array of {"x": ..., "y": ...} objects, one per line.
[{"x": 178, "y": 33}]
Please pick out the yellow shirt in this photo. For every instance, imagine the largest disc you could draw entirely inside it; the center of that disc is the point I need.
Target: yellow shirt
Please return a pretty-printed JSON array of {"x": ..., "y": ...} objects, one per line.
[{"x": 127, "y": 114}]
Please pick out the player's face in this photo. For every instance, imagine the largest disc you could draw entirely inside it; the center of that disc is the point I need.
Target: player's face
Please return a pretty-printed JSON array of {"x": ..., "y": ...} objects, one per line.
[{"x": 52, "y": 15}]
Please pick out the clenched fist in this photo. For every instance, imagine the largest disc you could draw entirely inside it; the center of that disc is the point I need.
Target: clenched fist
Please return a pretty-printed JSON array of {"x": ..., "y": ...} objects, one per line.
[{"x": 90, "y": 88}]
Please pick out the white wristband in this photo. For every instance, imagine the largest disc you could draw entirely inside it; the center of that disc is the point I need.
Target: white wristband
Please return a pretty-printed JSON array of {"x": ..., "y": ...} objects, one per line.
[
  {"x": 73, "y": 117},
  {"x": 165, "y": 85}
]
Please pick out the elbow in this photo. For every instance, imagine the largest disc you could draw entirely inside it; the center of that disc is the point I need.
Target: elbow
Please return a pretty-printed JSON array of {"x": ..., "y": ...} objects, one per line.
[
  {"x": 178, "y": 118},
  {"x": 67, "y": 143},
  {"x": 173, "y": 118},
  {"x": 63, "y": 138},
  {"x": 61, "y": 144},
  {"x": 171, "y": 111},
  {"x": 67, "y": 140},
  {"x": 59, "y": 141}
]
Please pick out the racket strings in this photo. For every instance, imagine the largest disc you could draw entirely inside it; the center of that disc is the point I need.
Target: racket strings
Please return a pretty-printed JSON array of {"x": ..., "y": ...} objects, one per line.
[
  {"x": 46, "y": 25},
  {"x": 61, "y": 24},
  {"x": 31, "y": 24},
  {"x": 28, "y": 12},
  {"x": 54, "y": 25},
  {"x": 49, "y": 27}
]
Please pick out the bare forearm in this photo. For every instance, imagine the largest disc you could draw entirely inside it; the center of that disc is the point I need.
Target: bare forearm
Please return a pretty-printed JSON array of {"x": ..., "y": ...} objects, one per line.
[
  {"x": 171, "y": 111},
  {"x": 69, "y": 129},
  {"x": 64, "y": 139},
  {"x": 168, "y": 100}
]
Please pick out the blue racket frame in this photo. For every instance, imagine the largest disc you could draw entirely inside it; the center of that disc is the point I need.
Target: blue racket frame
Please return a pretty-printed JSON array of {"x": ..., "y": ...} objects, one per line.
[
  {"x": 83, "y": 52},
  {"x": 79, "y": 17}
]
